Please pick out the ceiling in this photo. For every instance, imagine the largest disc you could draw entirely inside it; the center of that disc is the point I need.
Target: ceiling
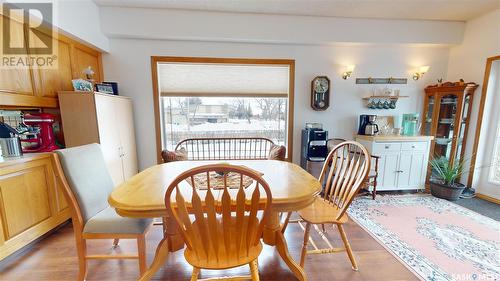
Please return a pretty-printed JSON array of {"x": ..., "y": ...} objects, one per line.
[{"x": 451, "y": 10}]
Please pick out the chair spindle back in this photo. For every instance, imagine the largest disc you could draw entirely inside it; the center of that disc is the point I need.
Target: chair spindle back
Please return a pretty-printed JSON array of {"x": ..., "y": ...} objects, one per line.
[
  {"x": 345, "y": 169},
  {"x": 220, "y": 219}
]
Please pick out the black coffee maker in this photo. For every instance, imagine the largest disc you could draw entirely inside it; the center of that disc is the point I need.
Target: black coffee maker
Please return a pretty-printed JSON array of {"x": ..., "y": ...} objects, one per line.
[{"x": 367, "y": 125}]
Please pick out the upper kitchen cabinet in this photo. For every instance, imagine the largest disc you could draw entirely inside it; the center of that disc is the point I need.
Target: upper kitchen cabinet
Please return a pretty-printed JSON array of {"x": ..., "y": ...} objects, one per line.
[
  {"x": 37, "y": 86},
  {"x": 14, "y": 81},
  {"x": 59, "y": 76},
  {"x": 85, "y": 57}
]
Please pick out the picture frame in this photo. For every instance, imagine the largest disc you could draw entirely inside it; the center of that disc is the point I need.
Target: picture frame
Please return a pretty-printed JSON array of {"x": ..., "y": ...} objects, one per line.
[
  {"x": 82, "y": 85},
  {"x": 105, "y": 88}
]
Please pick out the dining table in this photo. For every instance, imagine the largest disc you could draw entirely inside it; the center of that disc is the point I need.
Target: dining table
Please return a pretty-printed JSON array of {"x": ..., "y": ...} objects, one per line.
[{"x": 143, "y": 196}]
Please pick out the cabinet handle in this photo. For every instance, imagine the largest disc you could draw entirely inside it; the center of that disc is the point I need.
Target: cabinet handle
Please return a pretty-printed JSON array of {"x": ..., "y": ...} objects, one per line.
[
  {"x": 386, "y": 146},
  {"x": 399, "y": 171}
]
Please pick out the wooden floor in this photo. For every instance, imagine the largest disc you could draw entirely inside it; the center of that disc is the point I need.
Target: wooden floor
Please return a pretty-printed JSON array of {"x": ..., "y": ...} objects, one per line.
[{"x": 54, "y": 258}]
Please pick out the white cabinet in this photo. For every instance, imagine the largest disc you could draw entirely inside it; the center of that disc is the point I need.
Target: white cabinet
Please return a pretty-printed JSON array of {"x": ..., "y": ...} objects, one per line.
[
  {"x": 403, "y": 160},
  {"x": 104, "y": 119}
]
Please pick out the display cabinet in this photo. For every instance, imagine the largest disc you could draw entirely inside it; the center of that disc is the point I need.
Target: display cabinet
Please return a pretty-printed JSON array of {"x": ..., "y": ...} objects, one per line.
[{"x": 446, "y": 116}]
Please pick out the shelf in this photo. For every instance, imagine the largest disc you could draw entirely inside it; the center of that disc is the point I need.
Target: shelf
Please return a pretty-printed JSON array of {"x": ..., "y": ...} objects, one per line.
[{"x": 385, "y": 97}]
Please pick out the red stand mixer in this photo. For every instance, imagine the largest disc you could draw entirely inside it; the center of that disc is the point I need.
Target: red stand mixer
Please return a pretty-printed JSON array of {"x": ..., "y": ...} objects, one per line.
[{"x": 39, "y": 137}]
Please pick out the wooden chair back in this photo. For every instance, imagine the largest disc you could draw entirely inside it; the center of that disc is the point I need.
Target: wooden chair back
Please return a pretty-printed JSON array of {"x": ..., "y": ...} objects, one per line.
[
  {"x": 344, "y": 176},
  {"x": 226, "y": 148},
  {"x": 219, "y": 222}
]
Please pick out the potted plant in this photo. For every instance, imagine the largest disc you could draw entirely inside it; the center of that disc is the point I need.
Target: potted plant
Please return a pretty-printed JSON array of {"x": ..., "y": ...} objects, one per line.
[{"x": 443, "y": 184}]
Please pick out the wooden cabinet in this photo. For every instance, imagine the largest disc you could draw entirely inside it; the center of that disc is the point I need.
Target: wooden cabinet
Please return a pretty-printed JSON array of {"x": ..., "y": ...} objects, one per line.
[
  {"x": 403, "y": 161},
  {"x": 31, "y": 203},
  {"x": 33, "y": 86},
  {"x": 15, "y": 81},
  {"x": 446, "y": 117},
  {"x": 104, "y": 119}
]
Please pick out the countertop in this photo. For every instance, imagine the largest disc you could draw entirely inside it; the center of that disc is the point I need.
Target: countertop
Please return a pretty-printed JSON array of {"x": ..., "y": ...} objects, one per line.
[
  {"x": 394, "y": 138},
  {"x": 7, "y": 161}
]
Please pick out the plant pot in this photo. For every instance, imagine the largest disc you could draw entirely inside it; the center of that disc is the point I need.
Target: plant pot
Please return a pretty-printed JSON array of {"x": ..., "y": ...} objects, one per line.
[{"x": 448, "y": 192}]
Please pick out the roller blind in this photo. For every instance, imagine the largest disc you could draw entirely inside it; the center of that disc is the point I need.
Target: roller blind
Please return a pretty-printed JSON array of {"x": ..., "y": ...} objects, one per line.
[{"x": 214, "y": 79}]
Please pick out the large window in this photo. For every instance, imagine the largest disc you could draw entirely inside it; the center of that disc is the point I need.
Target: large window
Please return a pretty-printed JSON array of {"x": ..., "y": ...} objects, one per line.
[{"x": 200, "y": 97}]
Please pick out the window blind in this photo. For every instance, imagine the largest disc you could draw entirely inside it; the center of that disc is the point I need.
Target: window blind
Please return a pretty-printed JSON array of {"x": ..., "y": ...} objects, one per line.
[{"x": 214, "y": 79}]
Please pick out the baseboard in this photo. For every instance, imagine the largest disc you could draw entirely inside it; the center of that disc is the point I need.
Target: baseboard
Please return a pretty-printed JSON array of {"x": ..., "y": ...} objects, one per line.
[{"x": 488, "y": 198}]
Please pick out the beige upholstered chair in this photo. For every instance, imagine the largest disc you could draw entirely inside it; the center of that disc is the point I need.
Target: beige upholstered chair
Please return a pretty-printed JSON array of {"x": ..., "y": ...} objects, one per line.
[
  {"x": 86, "y": 185},
  {"x": 220, "y": 210},
  {"x": 350, "y": 163}
]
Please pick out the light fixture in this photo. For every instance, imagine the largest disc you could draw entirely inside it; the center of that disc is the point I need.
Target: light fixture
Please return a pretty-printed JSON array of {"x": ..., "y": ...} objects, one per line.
[
  {"x": 348, "y": 72},
  {"x": 421, "y": 71}
]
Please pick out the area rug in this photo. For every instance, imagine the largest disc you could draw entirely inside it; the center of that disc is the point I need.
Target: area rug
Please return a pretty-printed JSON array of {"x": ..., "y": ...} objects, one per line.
[{"x": 436, "y": 239}]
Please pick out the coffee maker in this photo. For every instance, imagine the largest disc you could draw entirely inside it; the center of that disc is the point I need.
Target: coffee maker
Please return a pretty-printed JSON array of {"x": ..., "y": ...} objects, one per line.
[{"x": 367, "y": 125}]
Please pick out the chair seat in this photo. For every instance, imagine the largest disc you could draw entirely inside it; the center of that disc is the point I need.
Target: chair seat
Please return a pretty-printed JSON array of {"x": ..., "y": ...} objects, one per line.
[
  {"x": 227, "y": 259},
  {"x": 320, "y": 211},
  {"x": 372, "y": 173},
  {"x": 108, "y": 221}
]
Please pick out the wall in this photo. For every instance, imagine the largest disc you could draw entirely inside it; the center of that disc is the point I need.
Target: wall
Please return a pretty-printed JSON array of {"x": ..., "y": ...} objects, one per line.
[
  {"x": 128, "y": 63},
  {"x": 467, "y": 61},
  {"x": 80, "y": 20},
  {"x": 261, "y": 28}
]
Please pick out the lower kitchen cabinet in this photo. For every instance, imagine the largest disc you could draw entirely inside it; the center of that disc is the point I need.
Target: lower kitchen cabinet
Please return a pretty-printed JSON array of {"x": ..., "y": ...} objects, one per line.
[
  {"x": 31, "y": 203},
  {"x": 403, "y": 160}
]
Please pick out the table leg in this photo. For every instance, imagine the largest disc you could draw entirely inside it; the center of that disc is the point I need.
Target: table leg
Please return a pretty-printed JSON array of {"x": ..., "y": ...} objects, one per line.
[
  {"x": 160, "y": 259},
  {"x": 272, "y": 236},
  {"x": 175, "y": 241}
]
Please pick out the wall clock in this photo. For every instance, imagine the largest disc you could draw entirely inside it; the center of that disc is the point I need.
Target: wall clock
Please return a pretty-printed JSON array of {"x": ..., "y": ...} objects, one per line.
[{"x": 320, "y": 93}]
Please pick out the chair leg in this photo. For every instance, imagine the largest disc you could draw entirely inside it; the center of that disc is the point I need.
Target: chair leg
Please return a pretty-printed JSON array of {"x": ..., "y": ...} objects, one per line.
[
  {"x": 194, "y": 275},
  {"x": 347, "y": 247},
  {"x": 81, "y": 248},
  {"x": 115, "y": 243},
  {"x": 287, "y": 220},
  {"x": 374, "y": 192},
  {"x": 254, "y": 270},
  {"x": 304, "y": 245},
  {"x": 141, "y": 251}
]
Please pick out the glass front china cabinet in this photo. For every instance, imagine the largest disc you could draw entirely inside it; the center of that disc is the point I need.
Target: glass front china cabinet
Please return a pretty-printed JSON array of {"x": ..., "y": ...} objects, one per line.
[{"x": 446, "y": 117}]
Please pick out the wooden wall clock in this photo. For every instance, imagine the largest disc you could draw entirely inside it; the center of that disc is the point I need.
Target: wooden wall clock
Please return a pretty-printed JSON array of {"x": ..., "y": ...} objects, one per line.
[{"x": 320, "y": 93}]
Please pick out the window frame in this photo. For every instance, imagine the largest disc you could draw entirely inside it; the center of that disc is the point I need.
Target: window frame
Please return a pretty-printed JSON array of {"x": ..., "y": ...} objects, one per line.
[{"x": 168, "y": 59}]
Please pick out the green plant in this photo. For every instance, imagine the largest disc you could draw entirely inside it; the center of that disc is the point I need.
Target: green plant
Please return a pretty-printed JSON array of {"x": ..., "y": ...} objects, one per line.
[{"x": 446, "y": 172}]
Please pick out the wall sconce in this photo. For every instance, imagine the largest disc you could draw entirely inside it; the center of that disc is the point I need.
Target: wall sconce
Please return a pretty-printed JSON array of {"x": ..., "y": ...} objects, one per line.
[
  {"x": 348, "y": 72},
  {"x": 421, "y": 71}
]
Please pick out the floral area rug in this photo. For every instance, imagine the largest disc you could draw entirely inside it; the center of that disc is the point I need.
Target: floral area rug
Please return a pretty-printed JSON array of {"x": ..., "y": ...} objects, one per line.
[{"x": 436, "y": 239}]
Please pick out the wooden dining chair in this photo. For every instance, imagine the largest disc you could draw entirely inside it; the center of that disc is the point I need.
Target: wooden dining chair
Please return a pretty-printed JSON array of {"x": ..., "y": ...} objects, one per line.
[
  {"x": 86, "y": 185},
  {"x": 371, "y": 179},
  {"x": 220, "y": 210},
  {"x": 350, "y": 164}
]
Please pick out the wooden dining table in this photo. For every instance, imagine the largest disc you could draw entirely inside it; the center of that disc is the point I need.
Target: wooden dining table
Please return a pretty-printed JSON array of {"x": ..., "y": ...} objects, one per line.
[{"x": 142, "y": 196}]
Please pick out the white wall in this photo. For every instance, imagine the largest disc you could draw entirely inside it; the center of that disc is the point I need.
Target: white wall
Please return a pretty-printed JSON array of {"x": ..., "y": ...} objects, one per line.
[
  {"x": 285, "y": 29},
  {"x": 80, "y": 19},
  {"x": 128, "y": 63},
  {"x": 468, "y": 61}
]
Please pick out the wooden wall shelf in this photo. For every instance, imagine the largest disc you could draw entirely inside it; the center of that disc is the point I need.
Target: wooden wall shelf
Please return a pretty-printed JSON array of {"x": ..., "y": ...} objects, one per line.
[
  {"x": 385, "y": 97},
  {"x": 390, "y": 80}
]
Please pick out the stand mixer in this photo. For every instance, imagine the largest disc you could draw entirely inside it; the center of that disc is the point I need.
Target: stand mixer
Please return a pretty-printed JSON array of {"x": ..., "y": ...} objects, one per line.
[{"x": 37, "y": 133}]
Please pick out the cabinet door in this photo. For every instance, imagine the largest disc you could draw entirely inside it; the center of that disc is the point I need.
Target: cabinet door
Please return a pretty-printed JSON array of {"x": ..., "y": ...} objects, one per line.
[
  {"x": 59, "y": 77},
  {"x": 26, "y": 196},
  {"x": 15, "y": 80},
  {"x": 84, "y": 58},
  {"x": 411, "y": 170},
  {"x": 124, "y": 113},
  {"x": 388, "y": 167},
  {"x": 109, "y": 136}
]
